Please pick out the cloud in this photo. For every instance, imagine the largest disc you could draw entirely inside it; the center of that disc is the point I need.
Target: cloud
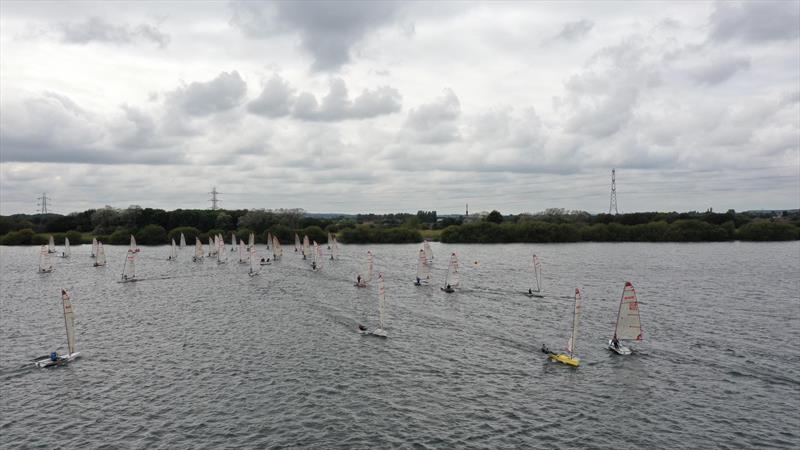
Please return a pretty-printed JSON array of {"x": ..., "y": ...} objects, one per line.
[
  {"x": 277, "y": 100},
  {"x": 328, "y": 30},
  {"x": 96, "y": 29},
  {"x": 755, "y": 21},
  {"x": 574, "y": 31},
  {"x": 52, "y": 128},
  {"x": 717, "y": 71},
  {"x": 202, "y": 99},
  {"x": 435, "y": 122}
]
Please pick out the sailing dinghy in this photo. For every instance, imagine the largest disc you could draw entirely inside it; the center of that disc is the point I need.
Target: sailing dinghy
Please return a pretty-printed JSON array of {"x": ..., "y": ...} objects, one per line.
[
  {"x": 428, "y": 252},
  {"x": 173, "y": 252},
  {"x": 629, "y": 325},
  {"x": 381, "y": 330},
  {"x": 306, "y": 247},
  {"x": 51, "y": 245},
  {"x": 45, "y": 265},
  {"x": 334, "y": 249},
  {"x": 362, "y": 281},
  {"x": 296, "y": 242},
  {"x": 129, "y": 269},
  {"x": 254, "y": 267},
  {"x": 198, "y": 250},
  {"x": 183, "y": 241},
  {"x": 94, "y": 247},
  {"x": 54, "y": 359},
  {"x": 423, "y": 269},
  {"x": 569, "y": 357},
  {"x": 66, "y": 252},
  {"x": 277, "y": 250},
  {"x": 242, "y": 252},
  {"x": 100, "y": 259},
  {"x": 453, "y": 278},
  {"x": 536, "y": 290}
]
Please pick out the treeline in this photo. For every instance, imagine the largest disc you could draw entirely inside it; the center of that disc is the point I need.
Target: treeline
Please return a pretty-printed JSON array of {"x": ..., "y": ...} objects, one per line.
[
  {"x": 158, "y": 227},
  {"x": 578, "y": 226}
]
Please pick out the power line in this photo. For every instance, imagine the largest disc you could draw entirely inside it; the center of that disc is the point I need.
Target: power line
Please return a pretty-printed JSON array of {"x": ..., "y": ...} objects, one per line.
[
  {"x": 613, "y": 205},
  {"x": 42, "y": 203}
]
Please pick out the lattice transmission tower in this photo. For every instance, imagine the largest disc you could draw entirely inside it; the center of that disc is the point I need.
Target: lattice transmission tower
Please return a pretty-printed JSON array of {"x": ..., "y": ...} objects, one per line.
[
  {"x": 214, "y": 200},
  {"x": 612, "y": 207},
  {"x": 42, "y": 203}
]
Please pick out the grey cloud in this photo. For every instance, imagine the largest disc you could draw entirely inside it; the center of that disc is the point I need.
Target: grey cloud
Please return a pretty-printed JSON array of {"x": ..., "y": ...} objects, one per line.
[
  {"x": 202, "y": 99},
  {"x": 53, "y": 128},
  {"x": 137, "y": 130},
  {"x": 276, "y": 100},
  {"x": 435, "y": 122},
  {"x": 328, "y": 29},
  {"x": 573, "y": 31},
  {"x": 755, "y": 21},
  {"x": 96, "y": 29},
  {"x": 715, "y": 72}
]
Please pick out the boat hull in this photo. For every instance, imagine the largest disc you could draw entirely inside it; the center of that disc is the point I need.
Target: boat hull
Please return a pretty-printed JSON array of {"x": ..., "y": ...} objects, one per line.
[
  {"x": 449, "y": 291},
  {"x": 620, "y": 350},
  {"x": 564, "y": 359},
  {"x": 528, "y": 294},
  {"x": 47, "y": 362}
]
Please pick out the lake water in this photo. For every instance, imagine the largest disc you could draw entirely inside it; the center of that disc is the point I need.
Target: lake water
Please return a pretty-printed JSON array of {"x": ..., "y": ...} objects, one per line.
[{"x": 203, "y": 356}]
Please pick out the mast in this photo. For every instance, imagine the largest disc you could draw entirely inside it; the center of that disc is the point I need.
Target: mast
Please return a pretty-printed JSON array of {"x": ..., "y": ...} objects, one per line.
[
  {"x": 101, "y": 255},
  {"x": 69, "y": 321},
  {"x": 381, "y": 300},
  {"x": 575, "y": 318},
  {"x": 537, "y": 273},
  {"x": 369, "y": 267}
]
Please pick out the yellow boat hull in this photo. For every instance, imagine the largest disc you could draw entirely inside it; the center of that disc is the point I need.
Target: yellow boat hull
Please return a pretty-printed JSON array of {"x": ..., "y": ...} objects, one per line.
[{"x": 565, "y": 359}]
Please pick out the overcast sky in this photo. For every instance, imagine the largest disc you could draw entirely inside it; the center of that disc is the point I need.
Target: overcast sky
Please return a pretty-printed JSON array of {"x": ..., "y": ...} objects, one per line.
[{"x": 397, "y": 106}]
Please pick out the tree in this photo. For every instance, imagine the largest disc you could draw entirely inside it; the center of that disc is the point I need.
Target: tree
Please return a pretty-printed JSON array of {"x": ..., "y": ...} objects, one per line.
[
  {"x": 495, "y": 217},
  {"x": 152, "y": 235}
]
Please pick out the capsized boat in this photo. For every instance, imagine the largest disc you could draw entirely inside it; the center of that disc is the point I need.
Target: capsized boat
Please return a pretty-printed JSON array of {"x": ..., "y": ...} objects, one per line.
[
  {"x": 569, "y": 357},
  {"x": 45, "y": 265},
  {"x": 54, "y": 359},
  {"x": 380, "y": 331},
  {"x": 452, "y": 279},
  {"x": 629, "y": 324},
  {"x": 536, "y": 289}
]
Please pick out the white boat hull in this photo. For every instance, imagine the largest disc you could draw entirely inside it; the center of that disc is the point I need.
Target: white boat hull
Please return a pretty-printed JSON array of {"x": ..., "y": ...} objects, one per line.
[
  {"x": 620, "y": 349},
  {"x": 62, "y": 359}
]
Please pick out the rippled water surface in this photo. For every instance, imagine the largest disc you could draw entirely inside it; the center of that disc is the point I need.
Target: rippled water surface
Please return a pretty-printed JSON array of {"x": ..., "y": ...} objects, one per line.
[{"x": 203, "y": 356}]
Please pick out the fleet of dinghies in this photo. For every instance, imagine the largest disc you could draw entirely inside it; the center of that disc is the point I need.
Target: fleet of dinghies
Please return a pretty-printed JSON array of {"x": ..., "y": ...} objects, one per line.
[{"x": 627, "y": 327}]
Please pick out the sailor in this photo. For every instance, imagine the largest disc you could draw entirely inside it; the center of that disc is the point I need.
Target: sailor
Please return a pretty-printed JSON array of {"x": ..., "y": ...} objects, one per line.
[
  {"x": 362, "y": 327},
  {"x": 314, "y": 265},
  {"x": 530, "y": 292},
  {"x": 418, "y": 282},
  {"x": 615, "y": 341},
  {"x": 358, "y": 280}
]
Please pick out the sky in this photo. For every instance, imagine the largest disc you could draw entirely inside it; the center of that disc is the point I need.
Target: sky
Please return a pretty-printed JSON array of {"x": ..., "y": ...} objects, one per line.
[{"x": 400, "y": 106}]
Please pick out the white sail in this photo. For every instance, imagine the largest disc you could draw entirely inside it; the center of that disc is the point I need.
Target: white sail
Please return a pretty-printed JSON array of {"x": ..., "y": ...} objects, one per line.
[
  {"x": 576, "y": 315},
  {"x": 210, "y": 247},
  {"x": 233, "y": 241},
  {"x": 251, "y": 241},
  {"x": 129, "y": 269},
  {"x": 45, "y": 265},
  {"x": 133, "y": 243},
  {"x": 335, "y": 249},
  {"x": 100, "y": 260},
  {"x": 306, "y": 246},
  {"x": 183, "y": 241},
  {"x": 537, "y": 274},
  {"x": 277, "y": 250},
  {"x": 242, "y": 251},
  {"x": 296, "y": 242},
  {"x": 381, "y": 301},
  {"x": 173, "y": 252},
  {"x": 51, "y": 245},
  {"x": 423, "y": 268},
  {"x": 428, "y": 252},
  {"x": 318, "y": 255},
  {"x": 629, "y": 325},
  {"x": 94, "y": 247},
  {"x": 69, "y": 321},
  {"x": 67, "y": 251},
  {"x": 254, "y": 265},
  {"x": 330, "y": 239},
  {"x": 369, "y": 267},
  {"x": 453, "y": 277},
  {"x": 198, "y": 249},
  {"x": 222, "y": 257}
]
